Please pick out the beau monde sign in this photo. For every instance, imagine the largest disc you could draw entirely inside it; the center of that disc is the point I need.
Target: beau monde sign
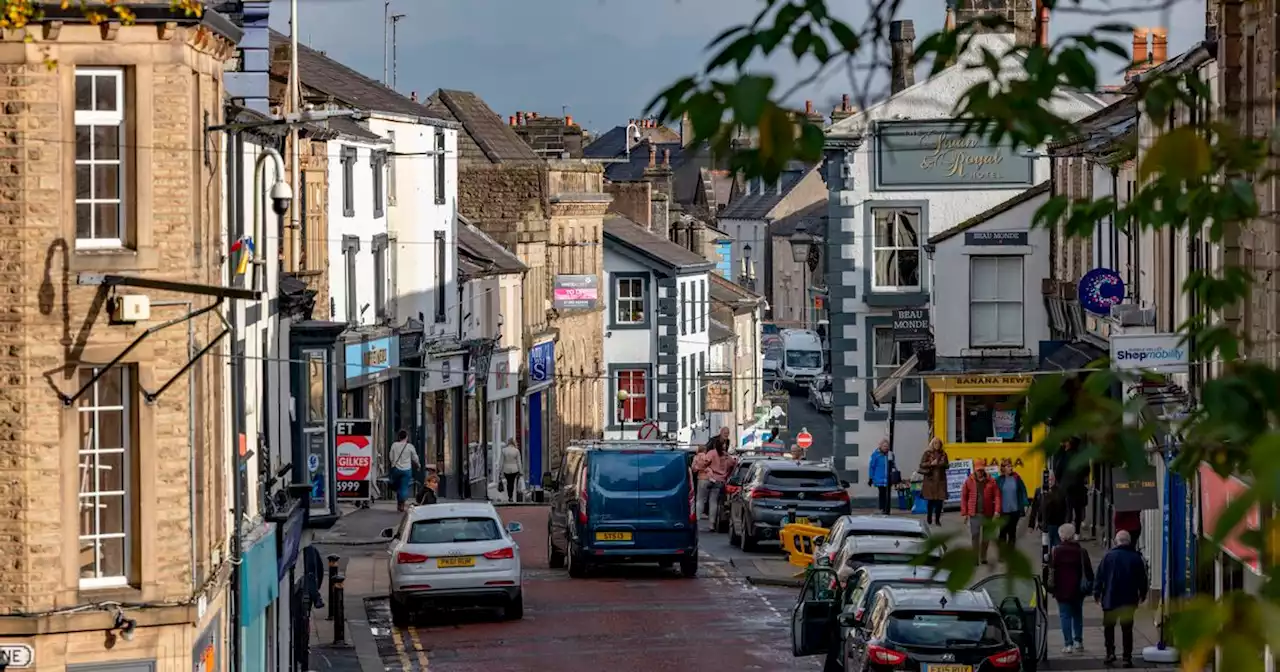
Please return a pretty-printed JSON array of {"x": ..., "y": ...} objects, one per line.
[{"x": 938, "y": 155}]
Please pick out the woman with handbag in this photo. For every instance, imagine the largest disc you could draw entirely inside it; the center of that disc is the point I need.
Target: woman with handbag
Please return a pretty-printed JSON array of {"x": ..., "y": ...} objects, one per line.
[
  {"x": 933, "y": 466},
  {"x": 1070, "y": 581}
]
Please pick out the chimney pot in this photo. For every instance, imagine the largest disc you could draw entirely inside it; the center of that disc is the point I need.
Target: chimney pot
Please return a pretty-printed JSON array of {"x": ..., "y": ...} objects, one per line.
[
  {"x": 1139, "y": 45},
  {"x": 568, "y": 120},
  {"x": 413, "y": 95},
  {"x": 808, "y": 107},
  {"x": 902, "y": 37},
  {"x": 844, "y": 103},
  {"x": 1042, "y": 24},
  {"x": 511, "y": 120},
  {"x": 1159, "y": 45},
  {"x": 666, "y": 157},
  {"x": 653, "y": 157}
]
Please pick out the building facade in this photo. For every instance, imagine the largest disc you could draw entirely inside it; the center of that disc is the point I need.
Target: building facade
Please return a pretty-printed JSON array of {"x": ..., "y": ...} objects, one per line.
[{"x": 742, "y": 311}]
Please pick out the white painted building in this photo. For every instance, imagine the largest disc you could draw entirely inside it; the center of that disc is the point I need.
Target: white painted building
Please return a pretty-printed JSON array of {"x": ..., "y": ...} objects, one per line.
[
  {"x": 657, "y": 333},
  {"x": 360, "y": 286},
  {"x": 898, "y": 172}
]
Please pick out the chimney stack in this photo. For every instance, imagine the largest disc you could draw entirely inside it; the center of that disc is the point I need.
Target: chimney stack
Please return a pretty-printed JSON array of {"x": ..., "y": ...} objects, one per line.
[
  {"x": 1139, "y": 47},
  {"x": 413, "y": 95},
  {"x": 511, "y": 120},
  {"x": 902, "y": 38},
  {"x": 1159, "y": 46},
  {"x": 844, "y": 111},
  {"x": 653, "y": 157},
  {"x": 568, "y": 120},
  {"x": 1042, "y": 23}
]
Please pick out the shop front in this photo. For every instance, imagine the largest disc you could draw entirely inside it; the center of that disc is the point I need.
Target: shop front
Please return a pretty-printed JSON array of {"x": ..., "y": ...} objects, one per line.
[
  {"x": 442, "y": 407},
  {"x": 978, "y": 417},
  {"x": 256, "y": 578},
  {"x": 371, "y": 368},
  {"x": 503, "y": 388}
]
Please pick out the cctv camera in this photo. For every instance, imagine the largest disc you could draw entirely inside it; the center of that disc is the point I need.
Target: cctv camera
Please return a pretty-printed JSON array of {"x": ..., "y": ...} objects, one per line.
[
  {"x": 636, "y": 136},
  {"x": 281, "y": 196}
]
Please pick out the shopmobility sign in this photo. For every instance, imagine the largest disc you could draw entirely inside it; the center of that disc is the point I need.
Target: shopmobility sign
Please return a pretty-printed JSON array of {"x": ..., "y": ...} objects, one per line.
[{"x": 1160, "y": 353}]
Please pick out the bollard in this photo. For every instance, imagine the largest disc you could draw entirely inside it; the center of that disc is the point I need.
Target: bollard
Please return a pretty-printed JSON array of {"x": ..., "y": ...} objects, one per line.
[
  {"x": 339, "y": 621},
  {"x": 333, "y": 572}
]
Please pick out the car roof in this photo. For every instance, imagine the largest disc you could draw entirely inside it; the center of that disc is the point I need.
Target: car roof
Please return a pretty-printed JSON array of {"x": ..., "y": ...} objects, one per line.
[
  {"x": 914, "y": 597},
  {"x": 783, "y": 464},
  {"x": 452, "y": 509},
  {"x": 887, "y": 545},
  {"x": 891, "y": 572},
  {"x": 884, "y": 523}
]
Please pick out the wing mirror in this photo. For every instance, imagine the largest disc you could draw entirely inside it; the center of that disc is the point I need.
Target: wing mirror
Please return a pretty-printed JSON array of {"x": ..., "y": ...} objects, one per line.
[
  {"x": 514, "y": 527},
  {"x": 847, "y": 620},
  {"x": 389, "y": 533},
  {"x": 819, "y": 540}
]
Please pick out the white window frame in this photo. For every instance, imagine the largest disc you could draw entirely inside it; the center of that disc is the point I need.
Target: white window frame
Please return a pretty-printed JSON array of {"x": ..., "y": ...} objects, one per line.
[
  {"x": 391, "y": 169},
  {"x": 101, "y": 118},
  {"x": 883, "y": 371},
  {"x": 87, "y": 490},
  {"x": 999, "y": 301},
  {"x": 643, "y": 394},
  {"x": 877, "y": 249},
  {"x": 630, "y": 300}
]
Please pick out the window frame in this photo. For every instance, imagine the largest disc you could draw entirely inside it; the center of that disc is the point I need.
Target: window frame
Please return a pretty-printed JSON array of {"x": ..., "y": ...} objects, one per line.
[
  {"x": 616, "y": 372},
  {"x": 875, "y": 248},
  {"x": 378, "y": 166},
  {"x": 390, "y": 158},
  {"x": 1021, "y": 341},
  {"x": 92, "y": 118},
  {"x": 350, "y": 248},
  {"x": 440, "y": 167},
  {"x": 682, "y": 290},
  {"x": 617, "y": 280},
  {"x": 876, "y": 366},
  {"x": 130, "y": 483},
  {"x": 442, "y": 262},
  {"x": 702, "y": 305},
  {"x": 349, "y": 157},
  {"x": 381, "y": 261}
]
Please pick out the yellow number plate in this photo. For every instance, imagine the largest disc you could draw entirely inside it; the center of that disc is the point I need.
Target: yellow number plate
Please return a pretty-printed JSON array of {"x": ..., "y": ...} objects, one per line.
[
  {"x": 456, "y": 562},
  {"x": 949, "y": 668},
  {"x": 613, "y": 536},
  {"x": 802, "y": 521}
]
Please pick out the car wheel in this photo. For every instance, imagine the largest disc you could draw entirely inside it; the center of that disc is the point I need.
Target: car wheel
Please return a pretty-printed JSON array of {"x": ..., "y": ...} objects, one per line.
[
  {"x": 514, "y": 610},
  {"x": 577, "y": 563},
  {"x": 401, "y": 615},
  {"x": 734, "y": 539},
  {"x": 555, "y": 559},
  {"x": 689, "y": 567}
]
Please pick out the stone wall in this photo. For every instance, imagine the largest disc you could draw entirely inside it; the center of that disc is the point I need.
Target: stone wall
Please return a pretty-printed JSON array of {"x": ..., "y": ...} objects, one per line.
[
  {"x": 631, "y": 200},
  {"x": 49, "y": 325},
  {"x": 507, "y": 202}
]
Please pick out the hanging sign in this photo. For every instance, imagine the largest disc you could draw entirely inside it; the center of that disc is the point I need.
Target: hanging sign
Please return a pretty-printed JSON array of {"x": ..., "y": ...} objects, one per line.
[
  {"x": 1100, "y": 289},
  {"x": 355, "y": 459}
]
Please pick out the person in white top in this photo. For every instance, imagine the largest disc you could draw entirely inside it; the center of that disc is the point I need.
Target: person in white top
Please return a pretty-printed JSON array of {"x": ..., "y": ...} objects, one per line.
[
  {"x": 404, "y": 459},
  {"x": 512, "y": 467}
]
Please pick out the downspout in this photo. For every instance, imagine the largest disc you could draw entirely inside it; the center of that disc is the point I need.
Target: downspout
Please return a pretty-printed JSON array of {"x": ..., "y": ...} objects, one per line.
[{"x": 235, "y": 223}]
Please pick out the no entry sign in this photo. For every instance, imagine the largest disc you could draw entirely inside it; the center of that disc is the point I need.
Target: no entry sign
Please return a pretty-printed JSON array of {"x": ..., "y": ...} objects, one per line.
[
  {"x": 648, "y": 430},
  {"x": 804, "y": 439}
]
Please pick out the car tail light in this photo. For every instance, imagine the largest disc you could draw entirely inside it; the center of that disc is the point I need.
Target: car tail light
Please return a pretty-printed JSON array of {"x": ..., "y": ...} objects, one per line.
[
  {"x": 732, "y": 489},
  {"x": 882, "y": 656},
  {"x": 403, "y": 558},
  {"x": 1008, "y": 660},
  {"x": 838, "y": 495},
  {"x": 857, "y": 615},
  {"x": 582, "y": 497},
  {"x": 761, "y": 493},
  {"x": 501, "y": 554}
]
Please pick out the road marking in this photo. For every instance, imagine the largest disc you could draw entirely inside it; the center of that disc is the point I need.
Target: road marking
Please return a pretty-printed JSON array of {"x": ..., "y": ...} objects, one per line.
[
  {"x": 404, "y": 655},
  {"x": 417, "y": 647}
]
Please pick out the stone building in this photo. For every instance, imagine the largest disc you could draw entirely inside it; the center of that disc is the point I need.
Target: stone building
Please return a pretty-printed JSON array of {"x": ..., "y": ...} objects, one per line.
[
  {"x": 113, "y": 454},
  {"x": 551, "y": 214}
]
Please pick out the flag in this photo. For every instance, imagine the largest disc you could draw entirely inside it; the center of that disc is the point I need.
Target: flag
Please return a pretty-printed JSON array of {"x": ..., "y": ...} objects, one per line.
[{"x": 244, "y": 248}]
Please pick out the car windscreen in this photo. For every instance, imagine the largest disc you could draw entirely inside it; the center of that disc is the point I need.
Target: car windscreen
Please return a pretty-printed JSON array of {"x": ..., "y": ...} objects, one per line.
[
  {"x": 795, "y": 478},
  {"x": 875, "y": 586},
  {"x": 912, "y": 534},
  {"x": 454, "y": 530},
  {"x": 636, "y": 471},
  {"x": 804, "y": 359},
  {"x": 948, "y": 629},
  {"x": 887, "y": 559}
]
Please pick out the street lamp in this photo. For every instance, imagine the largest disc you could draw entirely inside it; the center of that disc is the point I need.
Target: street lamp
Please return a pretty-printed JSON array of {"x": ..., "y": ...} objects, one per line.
[
  {"x": 746, "y": 267},
  {"x": 801, "y": 244},
  {"x": 623, "y": 396}
]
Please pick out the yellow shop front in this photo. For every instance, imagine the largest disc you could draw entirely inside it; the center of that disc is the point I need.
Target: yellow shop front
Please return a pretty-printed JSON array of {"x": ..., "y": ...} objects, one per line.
[{"x": 978, "y": 417}]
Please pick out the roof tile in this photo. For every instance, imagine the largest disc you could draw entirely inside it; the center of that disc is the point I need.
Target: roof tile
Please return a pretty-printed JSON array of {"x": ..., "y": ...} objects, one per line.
[
  {"x": 660, "y": 250},
  {"x": 490, "y": 132}
]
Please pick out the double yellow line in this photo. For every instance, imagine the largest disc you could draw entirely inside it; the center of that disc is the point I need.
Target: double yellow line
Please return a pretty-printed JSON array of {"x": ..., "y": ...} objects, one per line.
[{"x": 403, "y": 652}]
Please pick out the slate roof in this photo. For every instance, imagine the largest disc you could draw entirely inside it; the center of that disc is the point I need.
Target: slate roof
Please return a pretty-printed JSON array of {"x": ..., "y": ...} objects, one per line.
[
  {"x": 757, "y": 205},
  {"x": 1029, "y": 194},
  {"x": 810, "y": 219},
  {"x": 718, "y": 332},
  {"x": 348, "y": 86},
  {"x": 633, "y": 170},
  {"x": 728, "y": 293},
  {"x": 489, "y": 131},
  {"x": 489, "y": 256},
  {"x": 661, "y": 251},
  {"x": 352, "y": 128},
  {"x": 612, "y": 144}
]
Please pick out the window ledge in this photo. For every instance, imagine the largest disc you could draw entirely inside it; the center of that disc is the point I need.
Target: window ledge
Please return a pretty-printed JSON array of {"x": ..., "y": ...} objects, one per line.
[
  {"x": 121, "y": 259},
  {"x": 912, "y": 413},
  {"x": 882, "y": 298},
  {"x": 630, "y": 327}
]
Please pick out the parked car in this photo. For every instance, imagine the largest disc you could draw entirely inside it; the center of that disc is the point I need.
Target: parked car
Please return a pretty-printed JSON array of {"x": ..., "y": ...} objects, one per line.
[
  {"x": 733, "y": 486},
  {"x": 453, "y": 555},
  {"x": 862, "y": 587},
  {"x": 775, "y": 491},
  {"x": 860, "y": 551},
  {"x": 877, "y": 525},
  {"x": 820, "y": 393},
  {"x": 620, "y": 502}
]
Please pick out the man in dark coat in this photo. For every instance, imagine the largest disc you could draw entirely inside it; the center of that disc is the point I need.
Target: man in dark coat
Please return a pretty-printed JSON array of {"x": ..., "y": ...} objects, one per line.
[
  {"x": 1073, "y": 478},
  {"x": 1049, "y": 511},
  {"x": 1121, "y": 585}
]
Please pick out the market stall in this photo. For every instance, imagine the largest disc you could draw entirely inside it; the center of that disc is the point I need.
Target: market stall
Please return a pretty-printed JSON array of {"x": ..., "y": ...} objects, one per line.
[{"x": 978, "y": 418}]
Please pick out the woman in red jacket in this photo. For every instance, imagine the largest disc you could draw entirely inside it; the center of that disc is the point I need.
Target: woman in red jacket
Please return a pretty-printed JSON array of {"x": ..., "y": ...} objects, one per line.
[{"x": 979, "y": 502}]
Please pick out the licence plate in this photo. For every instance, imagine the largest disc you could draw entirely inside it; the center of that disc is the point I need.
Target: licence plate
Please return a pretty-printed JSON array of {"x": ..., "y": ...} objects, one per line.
[
  {"x": 613, "y": 536},
  {"x": 802, "y": 521},
  {"x": 456, "y": 562},
  {"x": 948, "y": 668}
]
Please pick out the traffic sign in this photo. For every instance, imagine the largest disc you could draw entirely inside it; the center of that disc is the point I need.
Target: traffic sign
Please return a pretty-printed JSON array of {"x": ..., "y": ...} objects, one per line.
[
  {"x": 648, "y": 430},
  {"x": 17, "y": 656},
  {"x": 804, "y": 439}
]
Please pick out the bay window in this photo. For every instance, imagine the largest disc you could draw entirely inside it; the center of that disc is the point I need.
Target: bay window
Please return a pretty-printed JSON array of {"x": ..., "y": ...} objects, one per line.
[{"x": 895, "y": 250}]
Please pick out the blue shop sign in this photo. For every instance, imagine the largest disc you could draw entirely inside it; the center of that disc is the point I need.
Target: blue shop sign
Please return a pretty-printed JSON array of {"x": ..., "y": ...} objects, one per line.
[
  {"x": 259, "y": 576},
  {"x": 542, "y": 362},
  {"x": 371, "y": 361}
]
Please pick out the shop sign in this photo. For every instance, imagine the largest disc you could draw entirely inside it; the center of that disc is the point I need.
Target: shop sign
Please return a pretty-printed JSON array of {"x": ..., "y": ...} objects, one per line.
[
  {"x": 1216, "y": 494},
  {"x": 719, "y": 393},
  {"x": 575, "y": 292},
  {"x": 372, "y": 361},
  {"x": 18, "y": 656},
  {"x": 1135, "y": 489},
  {"x": 1028, "y": 463},
  {"x": 354, "y": 459},
  {"x": 1162, "y": 353},
  {"x": 204, "y": 655},
  {"x": 542, "y": 361},
  {"x": 957, "y": 472},
  {"x": 996, "y": 238},
  {"x": 940, "y": 155},
  {"x": 979, "y": 383},
  {"x": 1099, "y": 290},
  {"x": 911, "y": 324}
]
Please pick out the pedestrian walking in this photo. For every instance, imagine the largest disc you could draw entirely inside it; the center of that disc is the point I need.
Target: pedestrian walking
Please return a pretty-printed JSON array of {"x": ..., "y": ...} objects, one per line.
[
  {"x": 1070, "y": 581},
  {"x": 1121, "y": 585},
  {"x": 404, "y": 461},
  {"x": 796, "y": 452},
  {"x": 979, "y": 502},
  {"x": 1049, "y": 511},
  {"x": 713, "y": 466},
  {"x": 1131, "y": 522},
  {"x": 879, "y": 474},
  {"x": 933, "y": 467},
  {"x": 1073, "y": 478},
  {"x": 512, "y": 467},
  {"x": 1013, "y": 501},
  {"x": 720, "y": 439}
]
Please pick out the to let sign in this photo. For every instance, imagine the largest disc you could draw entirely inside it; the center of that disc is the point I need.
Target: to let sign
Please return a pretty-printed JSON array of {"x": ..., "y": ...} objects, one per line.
[
  {"x": 575, "y": 292},
  {"x": 911, "y": 324},
  {"x": 940, "y": 155},
  {"x": 996, "y": 238}
]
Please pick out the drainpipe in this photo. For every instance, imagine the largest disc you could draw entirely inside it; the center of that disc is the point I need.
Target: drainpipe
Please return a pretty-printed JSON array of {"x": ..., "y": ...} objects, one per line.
[{"x": 235, "y": 223}]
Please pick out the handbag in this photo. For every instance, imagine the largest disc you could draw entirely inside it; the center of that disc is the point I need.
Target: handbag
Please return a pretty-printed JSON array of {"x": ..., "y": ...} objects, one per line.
[
  {"x": 1051, "y": 579},
  {"x": 1086, "y": 586}
]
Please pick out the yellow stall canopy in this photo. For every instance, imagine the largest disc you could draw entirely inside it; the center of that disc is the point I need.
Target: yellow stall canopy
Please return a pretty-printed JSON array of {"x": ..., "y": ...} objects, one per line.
[{"x": 1028, "y": 462}]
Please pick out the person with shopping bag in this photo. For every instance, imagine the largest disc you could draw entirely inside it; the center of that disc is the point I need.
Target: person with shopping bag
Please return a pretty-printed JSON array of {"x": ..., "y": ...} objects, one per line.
[
  {"x": 512, "y": 467},
  {"x": 404, "y": 462},
  {"x": 1070, "y": 582}
]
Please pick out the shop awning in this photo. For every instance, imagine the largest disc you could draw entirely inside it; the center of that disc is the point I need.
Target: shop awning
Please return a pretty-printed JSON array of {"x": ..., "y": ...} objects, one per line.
[
  {"x": 1073, "y": 357},
  {"x": 888, "y": 387}
]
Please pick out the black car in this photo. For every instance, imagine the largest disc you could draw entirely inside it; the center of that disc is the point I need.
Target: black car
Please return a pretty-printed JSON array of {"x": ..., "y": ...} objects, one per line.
[
  {"x": 777, "y": 491},
  {"x": 826, "y": 621},
  {"x": 733, "y": 487}
]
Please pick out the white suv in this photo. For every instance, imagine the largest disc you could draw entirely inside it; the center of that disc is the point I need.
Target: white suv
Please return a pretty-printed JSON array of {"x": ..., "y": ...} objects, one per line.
[{"x": 454, "y": 555}]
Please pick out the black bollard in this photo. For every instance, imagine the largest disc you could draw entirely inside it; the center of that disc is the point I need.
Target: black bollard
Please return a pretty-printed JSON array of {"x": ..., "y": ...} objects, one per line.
[
  {"x": 339, "y": 621},
  {"x": 333, "y": 572}
]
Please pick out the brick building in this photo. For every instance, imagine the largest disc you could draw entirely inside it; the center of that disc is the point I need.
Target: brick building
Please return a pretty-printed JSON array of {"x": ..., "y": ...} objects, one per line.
[
  {"x": 551, "y": 214},
  {"x": 113, "y": 489}
]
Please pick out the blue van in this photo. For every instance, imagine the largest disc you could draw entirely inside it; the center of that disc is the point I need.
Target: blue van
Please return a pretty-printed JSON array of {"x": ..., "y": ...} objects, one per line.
[{"x": 617, "y": 502}]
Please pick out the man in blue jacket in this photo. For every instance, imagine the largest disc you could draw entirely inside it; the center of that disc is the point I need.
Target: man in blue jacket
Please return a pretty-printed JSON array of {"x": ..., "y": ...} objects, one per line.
[
  {"x": 1120, "y": 585},
  {"x": 878, "y": 472}
]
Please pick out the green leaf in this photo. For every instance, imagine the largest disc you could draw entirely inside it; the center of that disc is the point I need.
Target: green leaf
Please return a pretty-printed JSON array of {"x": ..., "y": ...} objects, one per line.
[
  {"x": 736, "y": 53},
  {"x": 749, "y": 98},
  {"x": 844, "y": 35},
  {"x": 1180, "y": 154},
  {"x": 802, "y": 42}
]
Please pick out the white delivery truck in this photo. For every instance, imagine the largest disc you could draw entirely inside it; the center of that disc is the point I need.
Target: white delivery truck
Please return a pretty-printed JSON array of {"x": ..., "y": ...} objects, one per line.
[{"x": 801, "y": 357}]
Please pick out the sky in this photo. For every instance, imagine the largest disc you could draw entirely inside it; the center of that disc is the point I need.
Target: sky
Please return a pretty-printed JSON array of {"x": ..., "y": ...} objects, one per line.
[{"x": 602, "y": 61}]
